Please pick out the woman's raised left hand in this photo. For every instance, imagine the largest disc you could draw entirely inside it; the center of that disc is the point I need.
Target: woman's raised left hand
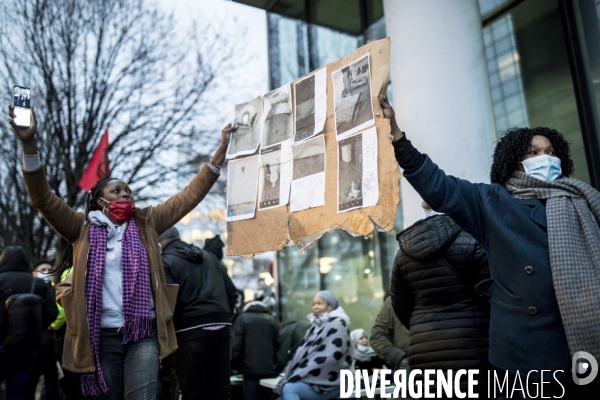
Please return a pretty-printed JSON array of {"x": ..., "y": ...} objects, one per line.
[
  {"x": 226, "y": 134},
  {"x": 219, "y": 157}
]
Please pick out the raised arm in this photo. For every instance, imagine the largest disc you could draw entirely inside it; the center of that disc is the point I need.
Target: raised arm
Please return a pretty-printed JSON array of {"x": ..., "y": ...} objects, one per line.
[
  {"x": 460, "y": 199},
  {"x": 62, "y": 218},
  {"x": 171, "y": 211}
]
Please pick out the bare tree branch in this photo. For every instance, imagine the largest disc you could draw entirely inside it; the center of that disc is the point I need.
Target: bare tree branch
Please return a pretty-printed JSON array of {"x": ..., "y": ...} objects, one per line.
[{"x": 94, "y": 62}]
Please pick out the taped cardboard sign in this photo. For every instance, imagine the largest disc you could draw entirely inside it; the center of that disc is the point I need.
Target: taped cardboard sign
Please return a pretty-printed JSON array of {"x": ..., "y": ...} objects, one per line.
[{"x": 276, "y": 228}]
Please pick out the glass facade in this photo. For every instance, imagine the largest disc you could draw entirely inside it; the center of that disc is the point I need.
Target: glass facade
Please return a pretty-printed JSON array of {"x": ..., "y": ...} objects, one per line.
[
  {"x": 586, "y": 14},
  {"x": 530, "y": 64},
  {"x": 296, "y": 48},
  {"x": 356, "y": 269},
  {"x": 505, "y": 74},
  {"x": 488, "y": 6},
  {"x": 530, "y": 75},
  {"x": 589, "y": 12}
]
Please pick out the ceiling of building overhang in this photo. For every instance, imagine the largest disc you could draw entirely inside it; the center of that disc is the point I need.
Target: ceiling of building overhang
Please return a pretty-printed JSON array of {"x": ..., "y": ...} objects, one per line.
[{"x": 349, "y": 16}]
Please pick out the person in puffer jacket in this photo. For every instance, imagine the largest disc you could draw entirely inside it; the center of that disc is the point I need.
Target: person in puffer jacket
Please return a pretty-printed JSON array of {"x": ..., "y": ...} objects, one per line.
[{"x": 433, "y": 295}]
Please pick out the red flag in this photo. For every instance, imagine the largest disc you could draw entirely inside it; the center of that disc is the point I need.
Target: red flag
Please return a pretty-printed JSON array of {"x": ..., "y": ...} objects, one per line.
[{"x": 99, "y": 166}]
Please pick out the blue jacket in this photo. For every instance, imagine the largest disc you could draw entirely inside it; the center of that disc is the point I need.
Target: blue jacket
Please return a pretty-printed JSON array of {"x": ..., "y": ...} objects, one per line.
[{"x": 526, "y": 330}]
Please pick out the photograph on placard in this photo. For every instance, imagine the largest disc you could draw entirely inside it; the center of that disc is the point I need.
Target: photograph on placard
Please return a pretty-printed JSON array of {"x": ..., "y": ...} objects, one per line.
[
  {"x": 248, "y": 118},
  {"x": 310, "y": 96},
  {"x": 308, "y": 184},
  {"x": 242, "y": 181},
  {"x": 353, "y": 106},
  {"x": 358, "y": 184},
  {"x": 278, "y": 125},
  {"x": 269, "y": 180},
  {"x": 275, "y": 175}
]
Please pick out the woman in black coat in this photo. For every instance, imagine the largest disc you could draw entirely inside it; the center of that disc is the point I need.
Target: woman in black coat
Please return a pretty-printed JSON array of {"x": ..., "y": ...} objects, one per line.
[{"x": 541, "y": 231}]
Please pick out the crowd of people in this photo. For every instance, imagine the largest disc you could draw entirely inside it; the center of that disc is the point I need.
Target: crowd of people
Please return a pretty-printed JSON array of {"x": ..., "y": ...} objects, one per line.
[
  {"x": 209, "y": 349},
  {"x": 493, "y": 277}
]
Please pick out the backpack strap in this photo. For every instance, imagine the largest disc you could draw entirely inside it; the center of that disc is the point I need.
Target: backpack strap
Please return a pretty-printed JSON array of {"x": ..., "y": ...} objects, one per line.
[{"x": 32, "y": 289}]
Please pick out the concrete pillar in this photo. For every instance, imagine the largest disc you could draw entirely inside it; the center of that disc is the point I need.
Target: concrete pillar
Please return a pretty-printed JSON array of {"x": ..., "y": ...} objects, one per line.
[{"x": 441, "y": 91}]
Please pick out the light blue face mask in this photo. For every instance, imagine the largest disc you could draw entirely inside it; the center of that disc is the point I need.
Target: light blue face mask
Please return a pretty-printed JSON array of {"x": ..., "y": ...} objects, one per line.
[{"x": 544, "y": 167}]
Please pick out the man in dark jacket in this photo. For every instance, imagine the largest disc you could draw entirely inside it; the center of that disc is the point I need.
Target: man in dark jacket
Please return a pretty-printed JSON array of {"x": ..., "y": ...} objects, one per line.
[
  {"x": 291, "y": 336},
  {"x": 389, "y": 338},
  {"x": 15, "y": 278},
  {"x": 433, "y": 295},
  {"x": 202, "y": 318},
  {"x": 255, "y": 344},
  {"x": 45, "y": 362}
]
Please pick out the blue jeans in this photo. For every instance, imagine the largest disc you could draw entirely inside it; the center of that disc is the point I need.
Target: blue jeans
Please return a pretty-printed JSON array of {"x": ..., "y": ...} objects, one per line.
[
  {"x": 16, "y": 367},
  {"x": 130, "y": 370},
  {"x": 303, "y": 391}
]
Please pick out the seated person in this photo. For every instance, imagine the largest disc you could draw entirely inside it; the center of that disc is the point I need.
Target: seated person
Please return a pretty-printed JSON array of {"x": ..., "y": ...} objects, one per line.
[
  {"x": 364, "y": 355},
  {"x": 314, "y": 372}
]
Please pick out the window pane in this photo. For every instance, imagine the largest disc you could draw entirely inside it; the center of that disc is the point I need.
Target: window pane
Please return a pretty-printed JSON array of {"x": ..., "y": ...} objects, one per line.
[
  {"x": 589, "y": 15},
  {"x": 376, "y": 31},
  {"x": 355, "y": 269},
  {"x": 331, "y": 45},
  {"x": 298, "y": 276},
  {"x": 288, "y": 47},
  {"x": 487, "y": 6},
  {"x": 527, "y": 47},
  {"x": 510, "y": 87}
]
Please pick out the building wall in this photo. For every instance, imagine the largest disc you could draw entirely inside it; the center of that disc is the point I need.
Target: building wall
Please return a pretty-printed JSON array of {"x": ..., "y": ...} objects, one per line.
[{"x": 442, "y": 92}]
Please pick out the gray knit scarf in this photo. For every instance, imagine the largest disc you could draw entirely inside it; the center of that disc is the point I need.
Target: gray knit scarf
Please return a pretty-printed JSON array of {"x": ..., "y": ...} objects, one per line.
[{"x": 573, "y": 215}]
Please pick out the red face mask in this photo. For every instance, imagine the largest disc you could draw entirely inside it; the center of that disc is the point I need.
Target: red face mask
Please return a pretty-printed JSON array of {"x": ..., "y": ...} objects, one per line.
[{"x": 120, "y": 210}]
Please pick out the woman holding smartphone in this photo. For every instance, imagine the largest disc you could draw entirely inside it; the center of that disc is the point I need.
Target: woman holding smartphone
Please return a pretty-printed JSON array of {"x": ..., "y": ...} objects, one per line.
[{"x": 117, "y": 305}]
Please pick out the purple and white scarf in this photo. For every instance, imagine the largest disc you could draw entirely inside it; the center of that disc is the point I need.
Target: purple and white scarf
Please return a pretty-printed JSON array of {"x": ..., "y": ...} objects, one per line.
[{"x": 137, "y": 295}]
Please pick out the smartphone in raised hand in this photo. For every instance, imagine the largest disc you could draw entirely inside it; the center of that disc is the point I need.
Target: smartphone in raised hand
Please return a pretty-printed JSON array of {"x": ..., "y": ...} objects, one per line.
[{"x": 22, "y": 102}]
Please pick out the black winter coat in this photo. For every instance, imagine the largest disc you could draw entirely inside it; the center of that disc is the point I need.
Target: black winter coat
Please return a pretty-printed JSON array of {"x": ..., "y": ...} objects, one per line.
[
  {"x": 206, "y": 294},
  {"x": 15, "y": 278},
  {"x": 433, "y": 281},
  {"x": 255, "y": 341}
]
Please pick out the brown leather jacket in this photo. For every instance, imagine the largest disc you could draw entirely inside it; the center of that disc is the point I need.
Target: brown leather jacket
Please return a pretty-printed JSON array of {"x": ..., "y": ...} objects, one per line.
[{"x": 74, "y": 227}]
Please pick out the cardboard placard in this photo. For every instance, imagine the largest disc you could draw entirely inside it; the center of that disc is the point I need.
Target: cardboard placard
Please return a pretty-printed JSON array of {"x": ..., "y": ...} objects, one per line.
[{"x": 273, "y": 229}]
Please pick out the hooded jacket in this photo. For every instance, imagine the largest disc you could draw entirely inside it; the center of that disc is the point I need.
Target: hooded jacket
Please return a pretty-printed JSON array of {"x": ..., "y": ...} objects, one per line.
[
  {"x": 255, "y": 341},
  {"x": 433, "y": 280},
  {"x": 206, "y": 294},
  {"x": 15, "y": 278},
  {"x": 75, "y": 228},
  {"x": 390, "y": 338}
]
